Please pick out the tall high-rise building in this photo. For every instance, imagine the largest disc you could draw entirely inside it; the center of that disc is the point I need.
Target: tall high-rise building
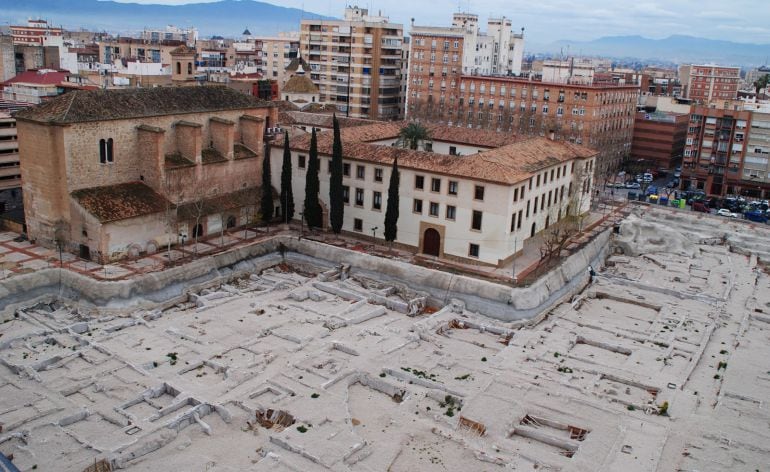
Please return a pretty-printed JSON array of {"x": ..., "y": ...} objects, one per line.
[
  {"x": 710, "y": 83},
  {"x": 356, "y": 62}
]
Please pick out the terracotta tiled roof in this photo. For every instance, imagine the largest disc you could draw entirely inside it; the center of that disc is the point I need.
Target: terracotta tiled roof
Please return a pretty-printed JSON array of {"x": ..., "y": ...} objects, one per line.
[
  {"x": 120, "y": 202},
  {"x": 39, "y": 77},
  {"x": 102, "y": 105},
  {"x": 319, "y": 120},
  {"x": 183, "y": 50},
  {"x": 299, "y": 84},
  {"x": 239, "y": 198},
  {"x": 475, "y": 137},
  {"x": 507, "y": 164}
]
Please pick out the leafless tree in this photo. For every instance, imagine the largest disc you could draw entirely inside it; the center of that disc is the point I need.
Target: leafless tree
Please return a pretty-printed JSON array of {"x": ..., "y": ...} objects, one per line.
[{"x": 580, "y": 193}]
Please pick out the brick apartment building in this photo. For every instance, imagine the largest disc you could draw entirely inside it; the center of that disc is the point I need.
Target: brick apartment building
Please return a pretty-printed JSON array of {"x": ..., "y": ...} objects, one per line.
[
  {"x": 355, "y": 62},
  {"x": 600, "y": 116},
  {"x": 111, "y": 173},
  {"x": 710, "y": 83},
  {"x": 35, "y": 33},
  {"x": 659, "y": 138},
  {"x": 715, "y": 152}
]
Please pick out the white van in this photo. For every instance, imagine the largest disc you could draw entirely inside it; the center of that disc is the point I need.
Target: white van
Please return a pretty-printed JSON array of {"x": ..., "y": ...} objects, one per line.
[{"x": 647, "y": 177}]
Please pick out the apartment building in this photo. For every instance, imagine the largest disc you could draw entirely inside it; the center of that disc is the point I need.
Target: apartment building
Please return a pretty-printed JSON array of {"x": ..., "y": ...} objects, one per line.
[
  {"x": 467, "y": 195},
  {"x": 600, "y": 116},
  {"x": 498, "y": 51},
  {"x": 170, "y": 32},
  {"x": 756, "y": 164},
  {"x": 659, "y": 138},
  {"x": 10, "y": 173},
  {"x": 116, "y": 50},
  {"x": 35, "y": 33},
  {"x": 355, "y": 62},
  {"x": 277, "y": 54},
  {"x": 709, "y": 83},
  {"x": 715, "y": 151},
  {"x": 34, "y": 86}
]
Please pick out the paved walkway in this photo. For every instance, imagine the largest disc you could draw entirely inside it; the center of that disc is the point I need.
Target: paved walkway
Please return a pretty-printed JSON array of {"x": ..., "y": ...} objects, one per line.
[{"x": 18, "y": 256}]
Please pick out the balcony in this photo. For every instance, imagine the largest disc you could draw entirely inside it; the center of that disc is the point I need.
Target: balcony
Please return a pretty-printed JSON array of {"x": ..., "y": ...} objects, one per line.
[
  {"x": 10, "y": 144},
  {"x": 10, "y": 171},
  {"x": 4, "y": 132}
]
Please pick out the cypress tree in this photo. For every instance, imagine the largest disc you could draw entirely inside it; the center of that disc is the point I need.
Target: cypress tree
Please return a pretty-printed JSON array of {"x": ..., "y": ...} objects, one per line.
[
  {"x": 313, "y": 212},
  {"x": 287, "y": 196},
  {"x": 266, "y": 202},
  {"x": 391, "y": 212},
  {"x": 336, "y": 203}
]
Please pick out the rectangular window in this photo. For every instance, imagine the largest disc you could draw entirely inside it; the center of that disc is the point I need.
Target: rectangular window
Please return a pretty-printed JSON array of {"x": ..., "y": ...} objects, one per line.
[
  {"x": 346, "y": 170},
  {"x": 358, "y": 224},
  {"x": 538, "y": 180},
  {"x": 301, "y": 161},
  {"x": 435, "y": 185},
  {"x": 419, "y": 182},
  {"x": 542, "y": 203},
  {"x": 534, "y": 211},
  {"x": 527, "y": 208},
  {"x": 345, "y": 194},
  {"x": 378, "y": 174},
  {"x": 513, "y": 222},
  {"x": 518, "y": 224},
  {"x": 478, "y": 193},
  {"x": 515, "y": 195},
  {"x": 417, "y": 206},
  {"x": 359, "y": 197},
  {"x": 360, "y": 172},
  {"x": 377, "y": 200},
  {"x": 476, "y": 221},
  {"x": 473, "y": 250},
  {"x": 452, "y": 187},
  {"x": 433, "y": 209},
  {"x": 451, "y": 212},
  {"x": 551, "y": 175}
]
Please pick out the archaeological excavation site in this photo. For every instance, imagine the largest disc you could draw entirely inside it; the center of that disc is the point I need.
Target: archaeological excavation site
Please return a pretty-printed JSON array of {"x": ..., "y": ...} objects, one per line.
[{"x": 294, "y": 355}]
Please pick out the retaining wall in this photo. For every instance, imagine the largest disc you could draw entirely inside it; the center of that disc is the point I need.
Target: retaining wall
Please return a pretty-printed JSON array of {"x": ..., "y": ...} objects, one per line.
[{"x": 171, "y": 286}]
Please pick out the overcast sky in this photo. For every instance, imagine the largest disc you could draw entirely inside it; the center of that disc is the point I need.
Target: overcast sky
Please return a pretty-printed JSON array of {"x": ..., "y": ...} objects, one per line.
[{"x": 549, "y": 20}]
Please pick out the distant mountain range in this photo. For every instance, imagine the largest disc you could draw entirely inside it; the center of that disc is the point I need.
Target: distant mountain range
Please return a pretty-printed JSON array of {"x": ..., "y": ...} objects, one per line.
[
  {"x": 677, "y": 49},
  {"x": 229, "y": 18},
  {"x": 226, "y": 17}
]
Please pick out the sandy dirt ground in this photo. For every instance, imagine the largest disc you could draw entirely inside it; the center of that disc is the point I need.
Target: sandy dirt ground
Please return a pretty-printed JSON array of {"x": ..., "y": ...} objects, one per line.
[{"x": 662, "y": 363}]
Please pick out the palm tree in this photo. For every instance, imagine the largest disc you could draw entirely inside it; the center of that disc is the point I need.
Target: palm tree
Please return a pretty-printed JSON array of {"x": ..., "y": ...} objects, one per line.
[{"x": 411, "y": 135}]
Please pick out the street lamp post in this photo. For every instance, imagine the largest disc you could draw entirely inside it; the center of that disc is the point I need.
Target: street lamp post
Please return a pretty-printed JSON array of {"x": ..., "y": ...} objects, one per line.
[
  {"x": 513, "y": 261},
  {"x": 301, "y": 222},
  {"x": 373, "y": 234}
]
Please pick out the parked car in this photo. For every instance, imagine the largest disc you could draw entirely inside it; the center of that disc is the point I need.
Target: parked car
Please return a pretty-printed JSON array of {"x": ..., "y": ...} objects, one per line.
[
  {"x": 756, "y": 215},
  {"x": 652, "y": 190},
  {"x": 699, "y": 206},
  {"x": 727, "y": 213},
  {"x": 647, "y": 177},
  {"x": 633, "y": 185}
]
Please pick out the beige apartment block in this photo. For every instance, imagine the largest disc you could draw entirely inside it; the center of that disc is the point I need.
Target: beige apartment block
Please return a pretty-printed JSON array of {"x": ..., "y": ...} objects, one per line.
[{"x": 356, "y": 62}]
